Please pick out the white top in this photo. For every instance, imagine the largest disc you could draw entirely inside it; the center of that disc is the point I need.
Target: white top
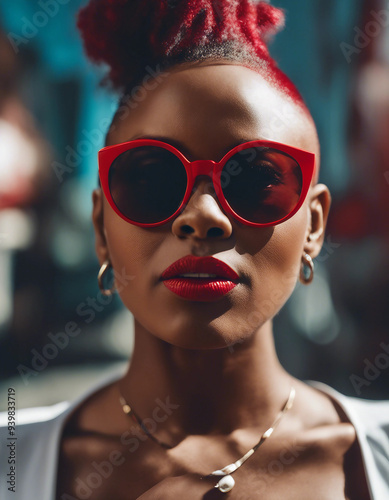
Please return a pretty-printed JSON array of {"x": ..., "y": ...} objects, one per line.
[{"x": 39, "y": 431}]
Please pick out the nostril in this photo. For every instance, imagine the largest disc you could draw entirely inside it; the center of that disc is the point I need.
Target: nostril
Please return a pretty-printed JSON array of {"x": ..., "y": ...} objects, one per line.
[
  {"x": 215, "y": 231},
  {"x": 187, "y": 229}
]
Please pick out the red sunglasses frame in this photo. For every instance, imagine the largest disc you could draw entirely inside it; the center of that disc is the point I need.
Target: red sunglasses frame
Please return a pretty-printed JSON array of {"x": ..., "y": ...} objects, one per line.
[{"x": 107, "y": 155}]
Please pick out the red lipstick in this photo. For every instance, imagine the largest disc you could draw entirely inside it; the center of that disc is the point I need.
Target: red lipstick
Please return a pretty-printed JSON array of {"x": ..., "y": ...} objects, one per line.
[{"x": 203, "y": 279}]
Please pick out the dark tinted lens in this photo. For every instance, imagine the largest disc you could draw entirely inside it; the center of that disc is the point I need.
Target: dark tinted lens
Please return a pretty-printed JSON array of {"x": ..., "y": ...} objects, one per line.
[
  {"x": 147, "y": 183},
  {"x": 262, "y": 184}
]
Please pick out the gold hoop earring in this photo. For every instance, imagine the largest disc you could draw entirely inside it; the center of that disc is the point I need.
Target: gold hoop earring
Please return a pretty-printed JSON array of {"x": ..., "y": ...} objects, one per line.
[
  {"x": 103, "y": 269},
  {"x": 306, "y": 263}
]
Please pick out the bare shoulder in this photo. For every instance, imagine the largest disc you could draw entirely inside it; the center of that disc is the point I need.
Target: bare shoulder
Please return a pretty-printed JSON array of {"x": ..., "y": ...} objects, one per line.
[{"x": 332, "y": 434}]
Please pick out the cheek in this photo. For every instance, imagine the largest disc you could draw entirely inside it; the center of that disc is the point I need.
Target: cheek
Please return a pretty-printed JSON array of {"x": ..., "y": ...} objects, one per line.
[
  {"x": 131, "y": 249},
  {"x": 276, "y": 267},
  {"x": 286, "y": 247}
]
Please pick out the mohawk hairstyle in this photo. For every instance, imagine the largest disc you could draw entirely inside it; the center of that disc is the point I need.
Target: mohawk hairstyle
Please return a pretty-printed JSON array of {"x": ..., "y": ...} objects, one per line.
[{"x": 131, "y": 35}]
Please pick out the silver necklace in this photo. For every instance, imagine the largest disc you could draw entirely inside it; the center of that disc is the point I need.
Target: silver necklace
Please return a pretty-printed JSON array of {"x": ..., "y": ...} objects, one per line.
[{"x": 226, "y": 481}]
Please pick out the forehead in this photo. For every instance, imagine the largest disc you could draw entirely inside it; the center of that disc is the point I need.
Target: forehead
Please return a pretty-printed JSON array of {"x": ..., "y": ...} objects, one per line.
[{"x": 209, "y": 106}]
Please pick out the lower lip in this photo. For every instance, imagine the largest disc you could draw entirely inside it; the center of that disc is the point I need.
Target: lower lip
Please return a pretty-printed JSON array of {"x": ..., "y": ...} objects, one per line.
[{"x": 201, "y": 289}]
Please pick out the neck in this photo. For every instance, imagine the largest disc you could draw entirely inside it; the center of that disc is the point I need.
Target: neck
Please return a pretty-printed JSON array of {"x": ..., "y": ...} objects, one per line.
[{"x": 213, "y": 391}]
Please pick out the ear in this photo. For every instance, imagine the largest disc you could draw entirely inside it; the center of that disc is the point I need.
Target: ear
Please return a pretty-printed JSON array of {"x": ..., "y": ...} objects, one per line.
[
  {"x": 319, "y": 207},
  {"x": 98, "y": 223}
]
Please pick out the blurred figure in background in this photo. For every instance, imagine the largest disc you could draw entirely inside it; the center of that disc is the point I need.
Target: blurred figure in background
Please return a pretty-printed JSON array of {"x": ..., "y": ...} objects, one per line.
[
  {"x": 359, "y": 221},
  {"x": 24, "y": 169},
  {"x": 24, "y": 153}
]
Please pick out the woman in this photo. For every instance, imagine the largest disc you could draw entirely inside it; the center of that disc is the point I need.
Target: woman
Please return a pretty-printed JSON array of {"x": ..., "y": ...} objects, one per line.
[{"x": 209, "y": 212}]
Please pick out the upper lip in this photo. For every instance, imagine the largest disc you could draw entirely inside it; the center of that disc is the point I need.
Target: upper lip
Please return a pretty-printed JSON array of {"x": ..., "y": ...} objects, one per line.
[{"x": 191, "y": 264}]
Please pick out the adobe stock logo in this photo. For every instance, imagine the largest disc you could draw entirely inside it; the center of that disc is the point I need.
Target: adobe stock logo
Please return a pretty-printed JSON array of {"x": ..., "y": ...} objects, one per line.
[
  {"x": 362, "y": 38},
  {"x": 372, "y": 370},
  {"x": 40, "y": 19}
]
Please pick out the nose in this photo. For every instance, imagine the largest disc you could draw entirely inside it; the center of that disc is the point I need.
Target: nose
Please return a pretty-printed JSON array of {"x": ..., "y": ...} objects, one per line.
[{"x": 202, "y": 216}]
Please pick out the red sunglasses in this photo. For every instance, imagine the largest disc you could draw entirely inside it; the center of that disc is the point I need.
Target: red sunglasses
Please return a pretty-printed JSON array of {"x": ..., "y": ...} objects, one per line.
[{"x": 260, "y": 183}]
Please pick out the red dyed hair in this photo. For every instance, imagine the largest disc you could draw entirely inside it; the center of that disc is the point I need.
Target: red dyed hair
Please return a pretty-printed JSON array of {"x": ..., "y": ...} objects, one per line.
[{"x": 129, "y": 35}]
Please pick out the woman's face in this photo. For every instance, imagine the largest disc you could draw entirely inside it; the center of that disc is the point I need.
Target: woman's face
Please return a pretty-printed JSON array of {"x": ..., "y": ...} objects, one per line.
[{"x": 204, "y": 110}]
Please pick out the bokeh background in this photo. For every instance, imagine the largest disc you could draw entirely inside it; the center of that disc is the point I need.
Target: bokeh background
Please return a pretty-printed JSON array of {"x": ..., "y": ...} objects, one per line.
[{"x": 53, "y": 117}]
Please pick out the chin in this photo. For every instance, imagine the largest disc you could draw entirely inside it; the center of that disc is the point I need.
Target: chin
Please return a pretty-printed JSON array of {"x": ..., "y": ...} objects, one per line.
[{"x": 204, "y": 341}]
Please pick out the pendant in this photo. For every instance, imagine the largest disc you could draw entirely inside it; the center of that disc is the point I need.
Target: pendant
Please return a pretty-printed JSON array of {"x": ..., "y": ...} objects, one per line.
[{"x": 225, "y": 484}]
